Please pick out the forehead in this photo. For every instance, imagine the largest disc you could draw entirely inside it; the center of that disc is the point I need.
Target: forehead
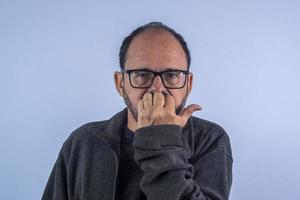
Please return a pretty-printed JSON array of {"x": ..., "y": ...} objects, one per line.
[{"x": 157, "y": 50}]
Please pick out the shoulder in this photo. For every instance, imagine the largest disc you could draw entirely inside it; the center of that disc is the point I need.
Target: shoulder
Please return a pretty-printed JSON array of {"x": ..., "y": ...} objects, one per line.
[
  {"x": 209, "y": 135},
  {"x": 84, "y": 131},
  {"x": 82, "y": 138},
  {"x": 97, "y": 135},
  {"x": 205, "y": 128}
]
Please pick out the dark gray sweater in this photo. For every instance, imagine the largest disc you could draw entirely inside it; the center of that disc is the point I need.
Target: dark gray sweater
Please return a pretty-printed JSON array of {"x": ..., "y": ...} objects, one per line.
[{"x": 194, "y": 162}]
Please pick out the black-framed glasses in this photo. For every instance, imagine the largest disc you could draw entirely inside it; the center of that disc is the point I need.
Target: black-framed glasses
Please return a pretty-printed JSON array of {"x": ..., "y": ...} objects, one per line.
[{"x": 172, "y": 79}]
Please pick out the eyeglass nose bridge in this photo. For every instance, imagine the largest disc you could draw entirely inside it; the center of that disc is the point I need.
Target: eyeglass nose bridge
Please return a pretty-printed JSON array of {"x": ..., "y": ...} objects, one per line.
[{"x": 161, "y": 78}]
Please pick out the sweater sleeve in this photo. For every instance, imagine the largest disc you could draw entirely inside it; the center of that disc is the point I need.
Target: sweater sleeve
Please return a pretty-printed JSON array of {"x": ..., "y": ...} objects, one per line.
[
  {"x": 56, "y": 187},
  {"x": 168, "y": 174}
]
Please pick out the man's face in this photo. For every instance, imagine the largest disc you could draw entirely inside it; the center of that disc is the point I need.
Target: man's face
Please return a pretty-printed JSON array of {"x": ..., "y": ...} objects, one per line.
[{"x": 155, "y": 50}]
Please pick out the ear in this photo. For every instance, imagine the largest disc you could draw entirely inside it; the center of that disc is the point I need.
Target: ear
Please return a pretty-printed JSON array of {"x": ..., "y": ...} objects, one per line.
[
  {"x": 119, "y": 83},
  {"x": 189, "y": 82}
]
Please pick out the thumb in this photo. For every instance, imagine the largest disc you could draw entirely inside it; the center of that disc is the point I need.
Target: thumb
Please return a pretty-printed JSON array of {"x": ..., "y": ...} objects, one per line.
[{"x": 188, "y": 111}]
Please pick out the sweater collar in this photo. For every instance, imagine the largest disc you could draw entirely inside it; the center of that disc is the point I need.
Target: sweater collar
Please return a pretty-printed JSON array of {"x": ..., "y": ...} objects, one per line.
[{"x": 110, "y": 132}]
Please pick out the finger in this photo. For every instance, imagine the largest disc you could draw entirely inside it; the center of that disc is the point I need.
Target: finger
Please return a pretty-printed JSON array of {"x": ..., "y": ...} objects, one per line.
[
  {"x": 140, "y": 106},
  {"x": 188, "y": 111},
  {"x": 148, "y": 96},
  {"x": 169, "y": 103},
  {"x": 158, "y": 99},
  {"x": 147, "y": 100}
]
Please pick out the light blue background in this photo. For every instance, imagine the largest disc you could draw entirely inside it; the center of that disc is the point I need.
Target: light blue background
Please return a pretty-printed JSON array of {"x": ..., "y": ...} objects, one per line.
[{"x": 57, "y": 60}]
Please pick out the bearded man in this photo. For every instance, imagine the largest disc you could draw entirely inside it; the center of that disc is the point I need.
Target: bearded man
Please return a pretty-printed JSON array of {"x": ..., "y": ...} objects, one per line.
[{"x": 154, "y": 149}]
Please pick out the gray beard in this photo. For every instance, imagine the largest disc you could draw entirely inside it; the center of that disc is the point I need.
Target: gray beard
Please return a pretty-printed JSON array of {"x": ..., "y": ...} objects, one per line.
[{"x": 134, "y": 111}]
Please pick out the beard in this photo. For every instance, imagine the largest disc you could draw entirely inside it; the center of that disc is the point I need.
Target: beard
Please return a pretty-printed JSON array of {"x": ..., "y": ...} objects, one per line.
[{"x": 134, "y": 110}]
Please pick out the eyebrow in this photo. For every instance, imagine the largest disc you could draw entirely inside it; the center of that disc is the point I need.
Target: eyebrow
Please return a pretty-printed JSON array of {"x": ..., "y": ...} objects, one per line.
[{"x": 169, "y": 68}]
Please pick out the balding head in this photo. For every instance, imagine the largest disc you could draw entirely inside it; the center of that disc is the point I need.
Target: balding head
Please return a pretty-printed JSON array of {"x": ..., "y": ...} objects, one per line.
[
  {"x": 155, "y": 48},
  {"x": 153, "y": 28}
]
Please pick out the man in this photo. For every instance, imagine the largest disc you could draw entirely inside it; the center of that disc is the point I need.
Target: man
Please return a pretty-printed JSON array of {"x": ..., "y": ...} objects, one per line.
[{"x": 154, "y": 149}]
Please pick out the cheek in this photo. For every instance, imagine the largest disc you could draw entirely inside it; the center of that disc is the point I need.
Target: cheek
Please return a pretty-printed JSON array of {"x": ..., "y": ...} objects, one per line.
[
  {"x": 137, "y": 97},
  {"x": 178, "y": 96},
  {"x": 135, "y": 94}
]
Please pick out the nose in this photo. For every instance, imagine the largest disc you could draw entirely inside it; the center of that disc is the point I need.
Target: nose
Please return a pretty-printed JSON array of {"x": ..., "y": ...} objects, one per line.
[{"x": 157, "y": 85}]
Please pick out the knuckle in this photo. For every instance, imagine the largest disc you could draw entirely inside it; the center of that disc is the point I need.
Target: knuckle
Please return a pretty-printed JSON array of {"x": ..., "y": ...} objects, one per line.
[
  {"x": 155, "y": 112},
  {"x": 145, "y": 118}
]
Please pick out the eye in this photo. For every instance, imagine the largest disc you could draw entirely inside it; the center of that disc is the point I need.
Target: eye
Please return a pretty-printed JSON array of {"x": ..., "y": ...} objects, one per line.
[
  {"x": 141, "y": 74},
  {"x": 141, "y": 78},
  {"x": 174, "y": 78},
  {"x": 171, "y": 75}
]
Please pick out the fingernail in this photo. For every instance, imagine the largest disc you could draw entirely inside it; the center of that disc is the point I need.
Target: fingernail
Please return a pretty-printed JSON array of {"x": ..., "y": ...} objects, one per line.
[{"x": 199, "y": 107}]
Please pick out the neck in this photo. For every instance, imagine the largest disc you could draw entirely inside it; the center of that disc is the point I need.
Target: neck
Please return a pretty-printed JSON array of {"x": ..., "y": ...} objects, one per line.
[{"x": 131, "y": 122}]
